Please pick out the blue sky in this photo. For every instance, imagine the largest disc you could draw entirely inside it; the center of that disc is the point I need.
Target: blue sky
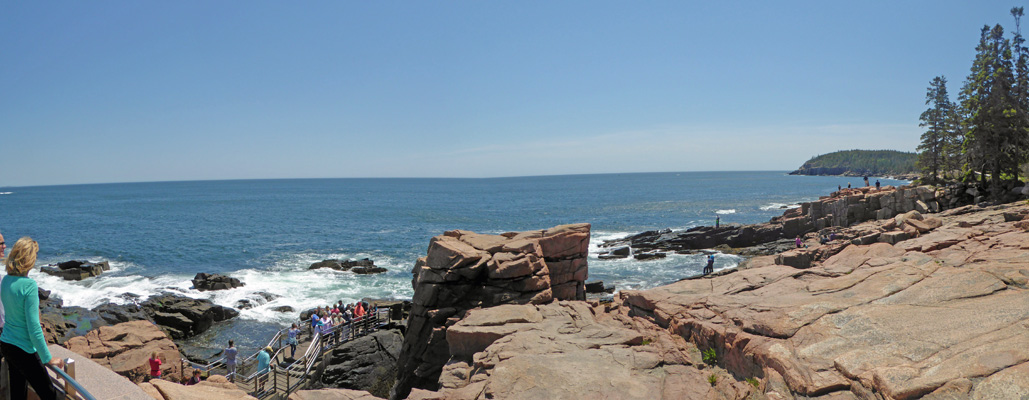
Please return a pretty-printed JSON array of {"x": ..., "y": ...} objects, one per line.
[{"x": 151, "y": 91}]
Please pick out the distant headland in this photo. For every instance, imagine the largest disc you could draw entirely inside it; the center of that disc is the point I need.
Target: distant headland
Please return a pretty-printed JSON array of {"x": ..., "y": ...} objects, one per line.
[{"x": 898, "y": 164}]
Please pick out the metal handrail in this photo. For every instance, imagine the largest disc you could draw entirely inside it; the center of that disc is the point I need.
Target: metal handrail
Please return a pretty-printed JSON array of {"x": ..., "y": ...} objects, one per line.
[
  {"x": 302, "y": 365},
  {"x": 76, "y": 387}
]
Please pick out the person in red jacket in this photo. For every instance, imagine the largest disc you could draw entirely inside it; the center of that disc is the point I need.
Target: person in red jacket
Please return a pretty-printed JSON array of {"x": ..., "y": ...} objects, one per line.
[{"x": 155, "y": 366}]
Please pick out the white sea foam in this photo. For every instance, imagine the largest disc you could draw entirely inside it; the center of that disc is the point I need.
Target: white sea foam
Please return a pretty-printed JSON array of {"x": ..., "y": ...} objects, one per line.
[
  {"x": 289, "y": 281},
  {"x": 723, "y": 212},
  {"x": 6, "y": 192},
  {"x": 778, "y": 206}
]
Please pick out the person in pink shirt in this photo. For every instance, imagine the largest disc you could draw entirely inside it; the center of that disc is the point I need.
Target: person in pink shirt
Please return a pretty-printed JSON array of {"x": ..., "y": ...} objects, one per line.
[{"x": 155, "y": 366}]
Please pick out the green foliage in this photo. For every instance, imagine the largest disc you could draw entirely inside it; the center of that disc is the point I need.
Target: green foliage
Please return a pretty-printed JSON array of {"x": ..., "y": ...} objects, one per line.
[
  {"x": 867, "y": 162},
  {"x": 753, "y": 382},
  {"x": 712, "y": 379},
  {"x": 939, "y": 138},
  {"x": 710, "y": 356},
  {"x": 647, "y": 341},
  {"x": 993, "y": 104}
]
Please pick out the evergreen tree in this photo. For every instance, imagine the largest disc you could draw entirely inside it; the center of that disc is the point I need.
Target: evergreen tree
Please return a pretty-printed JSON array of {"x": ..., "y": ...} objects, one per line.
[
  {"x": 938, "y": 121},
  {"x": 995, "y": 125}
]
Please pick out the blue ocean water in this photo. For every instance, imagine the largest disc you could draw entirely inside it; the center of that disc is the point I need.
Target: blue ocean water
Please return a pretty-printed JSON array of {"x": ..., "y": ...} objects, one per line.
[{"x": 157, "y": 236}]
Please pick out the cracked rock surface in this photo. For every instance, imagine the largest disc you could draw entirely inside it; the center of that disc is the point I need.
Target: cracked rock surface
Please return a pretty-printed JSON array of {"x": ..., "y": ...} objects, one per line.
[{"x": 944, "y": 314}]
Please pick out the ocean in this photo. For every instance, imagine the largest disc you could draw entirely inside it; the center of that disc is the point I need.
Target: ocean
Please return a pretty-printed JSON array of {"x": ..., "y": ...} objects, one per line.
[{"x": 157, "y": 236}]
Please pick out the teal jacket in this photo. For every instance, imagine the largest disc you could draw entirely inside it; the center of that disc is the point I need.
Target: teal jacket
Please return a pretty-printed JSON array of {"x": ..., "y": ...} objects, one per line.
[
  {"x": 21, "y": 327},
  {"x": 263, "y": 359}
]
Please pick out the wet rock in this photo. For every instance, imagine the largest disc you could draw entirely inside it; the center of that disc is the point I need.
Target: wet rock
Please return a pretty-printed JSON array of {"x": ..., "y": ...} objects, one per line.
[
  {"x": 368, "y": 270},
  {"x": 203, "y": 281},
  {"x": 118, "y": 313},
  {"x": 254, "y": 300},
  {"x": 76, "y": 270},
  {"x": 649, "y": 256},
  {"x": 184, "y": 317},
  {"x": 345, "y": 265}
]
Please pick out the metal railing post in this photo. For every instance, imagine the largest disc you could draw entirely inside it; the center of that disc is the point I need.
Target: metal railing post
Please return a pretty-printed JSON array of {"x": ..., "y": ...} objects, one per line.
[{"x": 69, "y": 367}]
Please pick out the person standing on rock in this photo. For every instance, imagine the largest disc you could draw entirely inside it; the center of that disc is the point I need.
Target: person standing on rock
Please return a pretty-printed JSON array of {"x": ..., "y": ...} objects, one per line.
[
  {"x": 155, "y": 366},
  {"x": 718, "y": 219},
  {"x": 230, "y": 360},
  {"x": 22, "y": 341},
  {"x": 877, "y": 185},
  {"x": 866, "y": 181},
  {"x": 800, "y": 243},
  {"x": 710, "y": 268}
]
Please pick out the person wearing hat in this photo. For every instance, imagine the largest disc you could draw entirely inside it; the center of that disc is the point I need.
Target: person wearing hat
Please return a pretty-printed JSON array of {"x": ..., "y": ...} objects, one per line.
[{"x": 264, "y": 358}]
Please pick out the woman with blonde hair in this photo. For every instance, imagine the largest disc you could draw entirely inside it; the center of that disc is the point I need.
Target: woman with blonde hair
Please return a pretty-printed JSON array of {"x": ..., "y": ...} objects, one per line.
[{"x": 22, "y": 341}]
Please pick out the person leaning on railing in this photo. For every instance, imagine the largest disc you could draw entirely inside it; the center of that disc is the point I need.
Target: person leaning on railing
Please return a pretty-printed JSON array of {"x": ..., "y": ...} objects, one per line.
[{"x": 22, "y": 340}]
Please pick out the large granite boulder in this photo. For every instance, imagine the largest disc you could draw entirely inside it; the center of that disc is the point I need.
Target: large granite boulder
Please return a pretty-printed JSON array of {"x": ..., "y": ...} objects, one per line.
[
  {"x": 76, "y": 270},
  {"x": 204, "y": 281},
  {"x": 126, "y": 347},
  {"x": 368, "y": 363},
  {"x": 332, "y": 394},
  {"x": 215, "y": 387},
  {"x": 184, "y": 317},
  {"x": 572, "y": 350},
  {"x": 464, "y": 270}
]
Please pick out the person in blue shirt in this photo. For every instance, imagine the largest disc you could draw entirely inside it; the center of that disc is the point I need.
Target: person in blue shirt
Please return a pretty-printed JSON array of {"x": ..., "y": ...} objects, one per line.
[
  {"x": 22, "y": 341},
  {"x": 291, "y": 338},
  {"x": 264, "y": 359}
]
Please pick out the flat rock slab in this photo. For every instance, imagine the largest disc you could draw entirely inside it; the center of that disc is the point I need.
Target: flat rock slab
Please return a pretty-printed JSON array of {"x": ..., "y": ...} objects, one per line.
[{"x": 943, "y": 314}]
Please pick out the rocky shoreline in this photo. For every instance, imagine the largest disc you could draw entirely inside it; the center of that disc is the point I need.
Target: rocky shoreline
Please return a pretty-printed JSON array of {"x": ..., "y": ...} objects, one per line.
[
  {"x": 839, "y": 171},
  {"x": 916, "y": 294}
]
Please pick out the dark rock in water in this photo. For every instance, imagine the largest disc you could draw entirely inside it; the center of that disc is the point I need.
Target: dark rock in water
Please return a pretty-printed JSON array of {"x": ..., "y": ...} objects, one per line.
[
  {"x": 598, "y": 287},
  {"x": 649, "y": 256},
  {"x": 183, "y": 316},
  {"x": 367, "y": 270},
  {"x": 77, "y": 270},
  {"x": 255, "y": 300},
  {"x": 367, "y": 266},
  {"x": 117, "y": 313},
  {"x": 203, "y": 281},
  {"x": 283, "y": 309},
  {"x": 334, "y": 264},
  {"x": 367, "y": 363},
  {"x": 306, "y": 314},
  {"x": 618, "y": 252},
  {"x": 43, "y": 294},
  {"x": 62, "y": 323}
]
